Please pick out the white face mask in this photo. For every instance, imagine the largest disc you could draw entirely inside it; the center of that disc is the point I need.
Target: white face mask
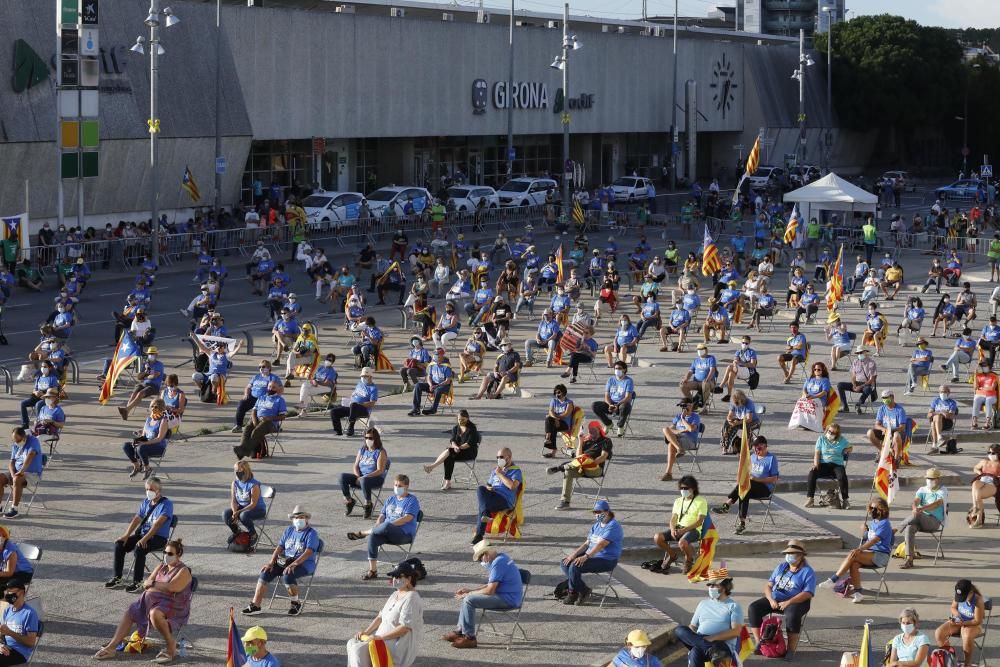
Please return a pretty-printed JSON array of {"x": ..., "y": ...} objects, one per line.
[
  {"x": 685, "y": 493},
  {"x": 943, "y": 396},
  {"x": 744, "y": 345},
  {"x": 714, "y": 593},
  {"x": 501, "y": 462},
  {"x": 619, "y": 373},
  {"x": 328, "y": 364},
  {"x": 993, "y": 457},
  {"x": 702, "y": 353},
  {"x": 299, "y": 523},
  {"x": 50, "y": 402},
  {"x": 170, "y": 560},
  {"x": 400, "y": 491},
  {"x": 791, "y": 559},
  {"x": 151, "y": 358},
  {"x": 484, "y": 564},
  {"x": 150, "y": 495},
  {"x": 638, "y": 652},
  {"x": 45, "y": 370},
  {"x": 907, "y": 628}
]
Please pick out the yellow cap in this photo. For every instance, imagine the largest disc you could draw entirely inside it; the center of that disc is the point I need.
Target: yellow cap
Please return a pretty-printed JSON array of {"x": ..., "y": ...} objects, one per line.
[
  {"x": 638, "y": 638},
  {"x": 151, "y": 350},
  {"x": 256, "y": 632}
]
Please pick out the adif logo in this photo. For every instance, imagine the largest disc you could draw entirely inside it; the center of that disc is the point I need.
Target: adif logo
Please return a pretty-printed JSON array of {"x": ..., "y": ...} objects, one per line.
[{"x": 29, "y": 69}]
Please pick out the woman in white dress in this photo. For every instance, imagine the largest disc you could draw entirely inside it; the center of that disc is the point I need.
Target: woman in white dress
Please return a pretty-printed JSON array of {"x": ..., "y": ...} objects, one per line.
[{"x": 399, "y": 624}]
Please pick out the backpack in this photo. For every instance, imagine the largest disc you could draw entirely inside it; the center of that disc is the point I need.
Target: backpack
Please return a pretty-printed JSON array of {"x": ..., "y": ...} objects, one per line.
[
  {"x": 943, "y": 657},
  {"x": 772, "y": 639},
  {"x": 561, "y": 590},
  {"x": 754, "y": 380},
  {"x": 241, "y": 543}
]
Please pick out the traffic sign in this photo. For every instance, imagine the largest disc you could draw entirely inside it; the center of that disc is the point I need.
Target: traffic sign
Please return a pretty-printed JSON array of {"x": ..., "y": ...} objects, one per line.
[
  {"x": 986, "y": 171},
  {"x": 220, "y": 165}
]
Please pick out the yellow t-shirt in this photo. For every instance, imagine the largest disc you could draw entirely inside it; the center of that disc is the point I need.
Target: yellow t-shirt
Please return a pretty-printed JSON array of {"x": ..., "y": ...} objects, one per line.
[
  {"x": 893, "y": 275},
  {"x": 690, "y": 510}
]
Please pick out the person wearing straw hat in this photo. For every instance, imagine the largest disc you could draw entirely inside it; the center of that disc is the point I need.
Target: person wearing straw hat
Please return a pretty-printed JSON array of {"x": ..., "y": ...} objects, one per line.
[
  {"x": 293, "y": 557},
  {"x": 789, "y": 591},
  {"x": 50, "y": 418},
  {"x": 255, "y": 644},
  {"x": 399, "y": 624},
  {"x": 927, "y": 512},
  {"x": 598, "y": 553},
  {"x": 920, "y": 364},
  {"x": 503, "y": 590},
  {"x": 713, "y": 634},
  {"x": 635, "y": 653}
]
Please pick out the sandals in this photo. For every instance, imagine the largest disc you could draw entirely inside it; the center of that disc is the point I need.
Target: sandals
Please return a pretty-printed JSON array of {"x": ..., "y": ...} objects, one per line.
[
  {"x": 369, "y": 575},
  {"x": 355, "y": 535},
  {"x": 106, "y": 653},
  {"x": 907, "y": 564},
  {"x": 163, "y": 658}
]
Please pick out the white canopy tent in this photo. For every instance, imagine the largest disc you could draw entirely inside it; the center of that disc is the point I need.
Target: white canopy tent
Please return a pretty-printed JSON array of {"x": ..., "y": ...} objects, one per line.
[{"x": 831, "y": 193}]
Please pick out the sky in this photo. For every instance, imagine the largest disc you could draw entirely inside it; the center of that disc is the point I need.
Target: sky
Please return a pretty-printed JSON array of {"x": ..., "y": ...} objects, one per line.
[{"x": 946, "y": 13}]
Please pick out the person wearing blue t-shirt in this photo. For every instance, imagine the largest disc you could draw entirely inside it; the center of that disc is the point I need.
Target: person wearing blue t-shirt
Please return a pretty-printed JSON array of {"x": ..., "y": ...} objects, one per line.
[
  {"x": 294, "y": 557},
  {"x": 713, "y": 634},
  {"x": 547, "y": 338},
  {"x": 701, "y": 376},
  {"x": 256, "y": 388},
  {"x": 619, "y": 392},
  {"x": 322, "y": 383},
  {"x": 890, "y": 417},
  {"x": 635, "y": 653},
  {"x": 874, "y": 551},
  {"x": 598, "y": 553},
  {"x": 503, "y": 590},
  {"x": 362, "y": 402},
  {"x": 796, "y": 350},
  {"x": 500, "y": 492},
  {"x": 920, "y": 365},
  {"x": 558, "y": 420},
  {"x": 942, "y": 415},
  {"x": 246, "y": 502},
  {"x": 680, "y": 320},
  {"x": 764, "y": 474},
  {"x": 284, "y": 333},
  {"x": 789, "y": 591},
  {"x": 927, "y": 513},
  {"x": 397, "y": 524},
  {"x": 149, "y": 442},
  {"x": 46, "y": 379},
  {"x": 14, "y": 567},
  {"x": 367, "y": 350},
  {"x": 149, "y": 382},
  {"x": 437, "y": 383},
  {"x": 25, "y": 459},
  {"x": 147, "y": 531},
  {"x": 255, "y": 644},
  {"x": 265, "y": 418},
  {"x": 989, "y": 340},
  {"x": 626, "y": 341},
  {"x": 19, "y": 627},
  {"x": 210, "y": 382}
]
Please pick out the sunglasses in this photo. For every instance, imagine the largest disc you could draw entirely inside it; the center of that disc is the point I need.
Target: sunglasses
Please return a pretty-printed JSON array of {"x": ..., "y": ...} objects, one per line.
[
  {"x": 685, "y": 488},
  {"x": 170, "y": 553}
]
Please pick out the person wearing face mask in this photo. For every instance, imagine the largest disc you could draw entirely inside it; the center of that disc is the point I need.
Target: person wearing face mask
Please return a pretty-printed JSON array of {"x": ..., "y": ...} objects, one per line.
[
  {"x": 437, "y": 383},
  {"x": 942, "y": 415},
  {"x": 796, "y": 351},
  {"x": 502, "y": 492},
  {"x": 913, "y": 318},
  {"x": 370, "y": 466},
  {"x": 984, "y": 484},
  {"x": 503, "y": 590},
  {"x": 927, "y": 512},
  {"x": 626, "y": 342},
  {"x": 148, "y": 384},
  {"x": 199, "y": 305},
  {"x": 743, "y": 367},
  {"x": 15, "y": 569},
  {"x": 558, "y": 420},
  {"x": 681, "y": 435},
  {"x": 891, "y": 417},
  {"x": 369, "y": 347},
  {"x": 869, "y": 289},
  {"x": 283, "y": 334},
  {"x": 399, "y": 624},
  {"x": 505, "y": 372},
  {"x": 635, "y": 653},
  {"x": 689, "y": 299},
  {"x": 151, "y": 441},
  {"x": 701, "y": 377},
  {"x": 789, "y": 591},
  {"x": 256, "y": 388},
  {"x": 147, "y": 531},
  {"x": 547, "y": 338},
  {"x": 360, "y": 405},
  {"x": 463, "y": 446},
  {"x": 322, "y": 383},
  {"x": 141, "y": 329},
  {"x": 45, "y": 379},
  {"x": 840, "y": 341},
  {"x": 20, "y": 627},
  {"x": 910, "y": 647},
  {"x": 62, "y": 325},
  {"x": 255, "y": 645},
  {"x": 893, "y": 281},
  {"x": 965, "y": 304},
  {"x": 448, "y": 326},
  {"x": 246, "y": 503},
  {"x": 619, "y": 392},
  {"x": 414, "y": 367},
  {"x": 713, "y": 634},
  {"x": 25, "y": 460},
  {"x": 920, "y": 365},
  {"x": 876, "y": 329},
  {"x": 598, "y": 553},
  {"x": 265, "y": 418},
  {"x": 944, "y": 315},
  {"x": 686, "y": 517},
  {"x": 874, "y": 551},
  {"x": 716, "y": 320},
  {"x": 680, "y": 320},
  {"x": 175, "y": 401},
  {"x": 165, "y": 604},
  {"x": 985, "y": 396},
  {"x": 294, "y": 557},
  {"x": 303, "y": 357},
  {"x": 764, "y": 474},
  {"x": 50, "y": 418},
  {"x": 396, "y": 524}
]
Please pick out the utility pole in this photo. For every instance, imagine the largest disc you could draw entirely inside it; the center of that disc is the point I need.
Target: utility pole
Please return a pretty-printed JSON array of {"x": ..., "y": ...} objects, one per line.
[
  {"x": 565, "y": 112},
  {"x": 154, "y": 126},
  {"x": 510, "y": 87},
  {"x": 218, "y": 110}
]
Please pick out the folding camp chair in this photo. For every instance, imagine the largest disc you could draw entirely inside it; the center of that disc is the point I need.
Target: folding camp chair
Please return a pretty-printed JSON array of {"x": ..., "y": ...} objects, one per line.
[
  {"x": 471, "y": 477},
  {"x": 766, "y": 503},
  {"x": 38, "y": 640},
  {"x": 376, "y": 494},
  {"x": 981, "y": 639},
  {"x": 881, "y": 581},
  {"x": 407, "y": 548},
  {"x": 31, "y": 488},
  {"x": 273, "y": 440},
  {"x": 155, "y": 554},
  {"x": 182, "y": 640},
  {"x": 598, "y": 480},
  {"x": 304, "y": 599},
  {"x": 694, "y": 450},
  {"x": 628, "y": 421},
  {"x": 513, "y": 614},
  {"x": 609, "y": 588},
  {"x": 34, "y": 554},
  {"x": 267, "y": 493}
]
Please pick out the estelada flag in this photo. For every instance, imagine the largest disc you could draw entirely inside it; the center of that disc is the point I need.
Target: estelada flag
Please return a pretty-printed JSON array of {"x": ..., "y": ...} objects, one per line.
[
  {"x": 792, "y": 229},
  {"x": 743, "y": 471},
  {"x": 702, "y": 564},
  {"x": 126, "y": 351},
  {"x": 559, "y": 264},
  {"x": 886, "y": 478},
  {"x": 187, "y": 182},
  {"x": 236, "y": 656},
  {"x": 710, "y": 263}
]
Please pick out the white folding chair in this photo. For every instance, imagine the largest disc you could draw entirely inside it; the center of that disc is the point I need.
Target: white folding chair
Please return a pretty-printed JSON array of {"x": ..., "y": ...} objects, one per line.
[
  {"x": 407, "y": 548},
  {"x": 513, "y": 614},
  {"x": 938, "y": 534},
  {"x": 273, "y": 440},
  {"x": 694, "y": 450},
  {"x": 881, "y": 572},
  {"x": 34, "y": 554},
  {"x": 31, "y": 488},
  {"x": 267, "y": 493},
  {"x": 155, "y": 554},
  {"x": 308, "y": 579},
  {"x": 766, "y": 502},
  {"x": 472, "y": 479}
]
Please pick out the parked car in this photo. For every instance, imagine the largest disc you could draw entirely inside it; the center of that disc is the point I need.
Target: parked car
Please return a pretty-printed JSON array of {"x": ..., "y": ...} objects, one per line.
[
  {"x": 962, "y": 189},
  {"x": 908, "y": 183},
  {"x": 803, "y": 175},
  {"x": 764, "y": 174},
  {"x": 630, "y": 188},
  {"x": 335, "y": 209},
  {"x": 526, "y": 191},
  {"x": 466, "y": 197},
  {"x": 396, "y": 196}
]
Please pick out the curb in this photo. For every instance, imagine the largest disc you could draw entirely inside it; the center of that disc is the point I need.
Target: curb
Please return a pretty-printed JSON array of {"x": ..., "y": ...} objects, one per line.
[
  {"x": 661, "y": 641},
  {"x": 733, "y": 549},
  {"x": 864, "y": 483}
]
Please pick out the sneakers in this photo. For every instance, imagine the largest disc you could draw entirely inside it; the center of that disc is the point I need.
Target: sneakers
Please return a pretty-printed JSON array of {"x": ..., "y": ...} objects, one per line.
[
  {"x": 552, "y": 470},
  {"x": 251, "y": 610},
  {"x": 349, "y": 506},
  {"x": 134, "y": 587},
  {"x": 114, "y": 582},
  {"x": 826, "y": 583},
  {"x": 620, "y": 431},
  {"x": 741, "y": 526},
  {"x": 857, "y": 597},
  {"x": 810, "y": 502},
  {"x": 584, "y": 596},
  {"x": 563, "y": 505},
  {"x": 11, "y": 513},
  {"x": 721, "y": 509},
  {"x": 845, "y": 504},
  {"x": 295, "y": 608},
  {"x": 570, "y": 599},
  {"x": 236, "y": 429}
]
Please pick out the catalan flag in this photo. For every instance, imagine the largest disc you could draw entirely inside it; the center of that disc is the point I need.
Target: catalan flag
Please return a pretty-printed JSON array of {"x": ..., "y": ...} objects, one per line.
[
  {"x": 886, "y": 477},
  {"x": 236, "y": 656},
  {"x": 710, "y": 263},
  {"x": 792, "y": 229},
  {"x": 187, "y": 182},
  {"x": 126, "y": 351},
  {"x": 559, "y": 264},
  {"x": 16, "y": 228},
  {"x": 835, "y": 292},
  {"x": 832, "y": 407},
  {"x": 709, "y": 538},
  {"x": 221, "y": 397},
  {"x": 379, "y": 653},
  {"x": 864, "y": 657},
  {"x": 578, "y": 214},
  {"x": 745, "y": 646},
  {"x": 753, "y": 161},
  {"x": 509, "y": 521},
  {"x": 743, "y": 470}
]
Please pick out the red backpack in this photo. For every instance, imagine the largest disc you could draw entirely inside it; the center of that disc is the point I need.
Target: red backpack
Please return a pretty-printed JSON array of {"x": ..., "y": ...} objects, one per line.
[
  {"x": 772, "y": 639},
  {"x": 943, "y": 657}
]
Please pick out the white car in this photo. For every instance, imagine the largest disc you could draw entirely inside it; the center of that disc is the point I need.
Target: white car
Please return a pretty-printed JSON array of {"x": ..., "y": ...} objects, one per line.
[
  {"x": 467, "y": 197},
  {"x": 630, "y": 188},
  {"x": 325, "y": 209},
  {"x": 760, "y": 178},
  {"x": 526, "y": 191},
  {"x": 397, "y": 196}
]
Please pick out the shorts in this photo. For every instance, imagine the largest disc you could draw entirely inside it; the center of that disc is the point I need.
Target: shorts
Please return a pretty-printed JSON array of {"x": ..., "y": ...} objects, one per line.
[
  {"x": 880, "y": 559},
  {"x": 947, "y": 424},
  {"x": 788, "y": 356},
  {"x": 687, "y": 441},
  {"x": 691, "y": 537},
  {"x": 275, "y": 571},
  {"x": 145, "y": 389},
  {"x": 842, "y": 349},
  {"x": 742, "y": 372}
]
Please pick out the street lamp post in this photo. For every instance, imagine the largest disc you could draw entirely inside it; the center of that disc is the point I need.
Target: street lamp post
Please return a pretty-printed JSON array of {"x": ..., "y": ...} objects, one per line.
[
  {"x": 218, "y": 110},
  {"x": 561, "y": 62},
  {"x": 800, "y": 74},
  {"x": 674, "y": 134},
  {"x": 831, "y": 14},
  {"x": 510, "y": 87}
]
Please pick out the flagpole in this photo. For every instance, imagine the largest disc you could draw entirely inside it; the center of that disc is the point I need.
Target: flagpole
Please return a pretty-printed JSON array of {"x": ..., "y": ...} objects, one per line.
[{"x": 25, "y": 237}]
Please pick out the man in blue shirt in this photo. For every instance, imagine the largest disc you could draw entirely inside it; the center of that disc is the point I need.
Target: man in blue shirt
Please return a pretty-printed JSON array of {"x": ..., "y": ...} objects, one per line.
[
  {"x": 437, "y": 382},
  {"x": 744, "y": 365},
  {"x": 256, "y": 388},
  {"x": 942, "y": 416},
  {"x": 714, "y": 631},
  {"x": 890, "y": 417},
  {"x": 598, "y": 553},
  {"x": 503, "y": 590},
  {"x": 619, "y": 392},
  {"x": 371, "y": 342},
  {"x": 19, "y": 626},
  {"x": 46, "y": 379},
  {"x": 547, "y": 338},
  {"x": 25, "y": 459},
  {"x": 764, "y": 474},
  {"x": 149, "y": 382},
  {"x": 701, "y": 377},
  {"x": 680, "y": 320},
  {"x": 283, "y": 333},
  {"x": 265, "y": 418},
  {"x": 920, "y": 365},
  {"x": 396, "y": 524},
  {"x": 293, "y": 557},
  {"x": 362, "y": 402},
  {"x": 989, "y": 340},
  {"x": 796, "y": 349},
  {"x": 500, "y": 492},
  {"x": 147, "y": 531}
]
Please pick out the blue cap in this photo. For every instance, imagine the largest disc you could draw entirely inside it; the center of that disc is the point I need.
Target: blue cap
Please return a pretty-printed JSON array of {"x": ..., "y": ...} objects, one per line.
[{"x": 602, "y": 506}]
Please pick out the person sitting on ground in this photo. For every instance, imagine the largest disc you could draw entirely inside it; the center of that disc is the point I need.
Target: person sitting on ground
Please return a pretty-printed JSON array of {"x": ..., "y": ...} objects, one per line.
[
  {"x": 789, "y": 591},
  {"x": 148, "y": 383},
  {"x": 463, "y": 446},
  {"x": 942, "y": 416},
  {"x": 362, "y": 401},
  {"x": 165, "y": 604},
  {"x": 626, "y": 342},
  {"x": 503, "y": 590},
  {"x": 830, "y": 459},
  {"x": 294, "y": 557},
  {"x": 505, "y": 372},
  {"x": 635, "y": 653},
  {"x": 890, "y": 417},
  {"x": 840, "y": 342},
  {"x": 796, "y": 351},
  {"x": 712, "y": 637},
  {"x": 547, "y": 338},
  {"x": 764, "y": 474},
  {"x": 874, "y": 552},
  {"x": 246, "y": 503},
  {"x": 686, "y": 517},
  {"x": 619, "y": 392},
  {"x": 681, "y": 436},
  {"x": 926, "y": 515},
  {"x": 265, "y": 418},
  {"x": 396, "y": 524},
  {"x": 147, "y": 531},
  {"x": 149, "y": 442},
  {"x": 985, "y": 397},
  {"x": 919, "y": 366},
  {"x": 399, "y": 625},
  {"x": 370, "y": 466},
  {"x": 984, "y": 484},
  {"x": 437, "y": 383},
  {"x": 968, "y": 611},
  {"x": 322, "y": 383},
  {"x": 598, "y": 553}
]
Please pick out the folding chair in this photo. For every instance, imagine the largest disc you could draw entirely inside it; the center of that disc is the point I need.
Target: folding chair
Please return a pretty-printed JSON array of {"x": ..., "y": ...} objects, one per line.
[
  {"x": 980, "y": 640},
  {"x": 182, "y": 640},
  {"x": 766, "y": 503},
  {"x": 471, "y": 477},
  {"x": 304, "y": 599},
  {"x": 273, "y": 440},
  {"x": 694, "y": 450},
  {"x": 154, "y": 554},
  {"x": 609, "y": 588},
  {"x": 407, "y": 548},
  {"x": 31, "y": 487},
  {"x": 628, "y": 421},
  {"x": 376, "y": 494},
  {"x": 267, "y": 493},
  {"x": 596, "y": 479},
  {"x": 881, "y": 581},
  {"x": 156, "y": 462},
  {"x": 38, "y": 640},
  {"x": 513, "y": 614},
  {"x": 34, "y": 554}
]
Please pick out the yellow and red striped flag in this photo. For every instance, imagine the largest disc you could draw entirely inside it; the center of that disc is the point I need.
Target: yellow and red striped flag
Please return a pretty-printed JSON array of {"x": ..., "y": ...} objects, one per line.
[
  {"x": 792, "y": 229},
  {"x": 559, "y": 264},
  {"x": 743, "y": 471},
  {"x": 126, "y": 351},
  {"x": 578, "y": 215},
  {"x": 745, "y": 646},
  {"x": 710, "y": 263},
  {"x": 187, "y": 182},
  {"x": 835, "y": 292},
  {"x": 753, "y": 160},
  {"x": 379, "y": 653},
  {"x": 886, "y": 477}
]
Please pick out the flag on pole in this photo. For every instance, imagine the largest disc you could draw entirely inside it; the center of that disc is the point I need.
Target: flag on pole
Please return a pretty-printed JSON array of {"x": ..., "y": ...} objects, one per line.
[
  {"x": 710, "y": 263},
  {"x": 743, "y": 471},
  {"x": 187, "y": 182},
  {"x": 578, "y": 215},
  {"x": 753, "y": 161},
  {"x": 559, "y": 264},
  {"x": 835, "y": 292},
  {"x": 15, "y": 229},
  {"x": 745, "y": 646},
  {"x": 126, "y": 351},
  {"x": 236, "y": 655},
  {"x": 886, "y": 478},
  {"x": 701, "y": 565},
  {"x": 864, "y": 659},
  {"x": 792, "y": 229}
]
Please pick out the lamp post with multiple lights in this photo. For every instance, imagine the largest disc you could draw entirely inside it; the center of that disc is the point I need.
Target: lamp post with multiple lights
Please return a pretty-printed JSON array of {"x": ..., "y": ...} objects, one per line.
[{"x": 561, "y": 62}]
